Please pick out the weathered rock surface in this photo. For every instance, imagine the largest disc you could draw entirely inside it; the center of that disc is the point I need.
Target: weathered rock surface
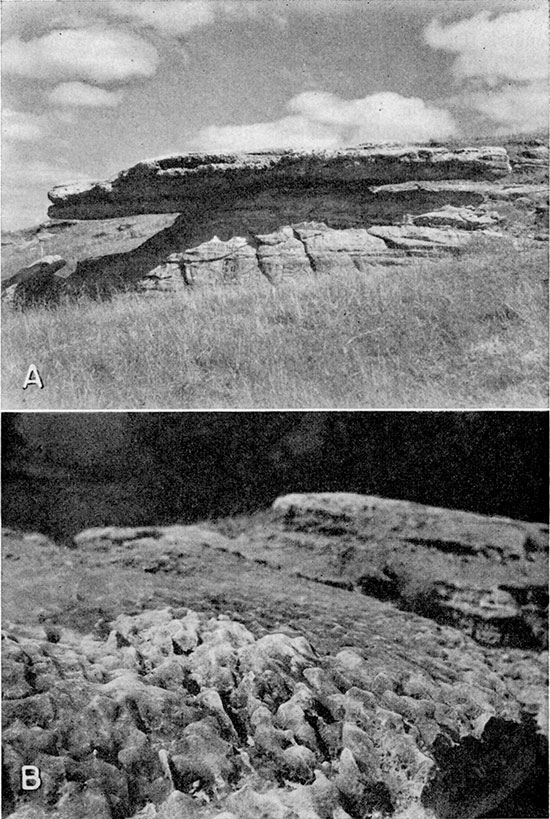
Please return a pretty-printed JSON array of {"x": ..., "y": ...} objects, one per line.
[
  {"x": 239, "y": 214},
  {"x": 244, "y": 691},
  {"x": 29, "y": 282},
  {"x": 282, "y": 253},
  {"x": 172, "y": 708},
  {"x": 419, "y": 241},
  {"x": 165, "y": 277},
  {"x": 531, "y": 156},
  {"x": 218, "y": 261},
  {"x": 331, "y": 250},
  {"x": 458, "y": 218},
  {"x": 306, "y": 247},
  {"x": 485, "y": 575},
  {"x": 169, "y": 184}
]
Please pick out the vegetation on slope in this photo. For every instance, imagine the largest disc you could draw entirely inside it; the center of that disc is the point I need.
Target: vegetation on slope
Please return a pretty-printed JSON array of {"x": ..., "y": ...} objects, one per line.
[{"x": 469, "y": 331}]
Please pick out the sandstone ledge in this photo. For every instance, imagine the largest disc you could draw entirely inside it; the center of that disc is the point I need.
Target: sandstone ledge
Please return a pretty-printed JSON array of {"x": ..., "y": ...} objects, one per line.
[{"x": 174, "y": 184}]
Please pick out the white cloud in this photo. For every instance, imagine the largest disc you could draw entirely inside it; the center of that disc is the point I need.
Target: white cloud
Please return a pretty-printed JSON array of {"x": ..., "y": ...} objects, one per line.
[
  {"x": 512, "y": 46},
  {"x": 322, "y": 120},
  {"x": 512, "y": 108},
  {"x": 21, "y": 126},
  {"x": 501, "y": 64},
  {"x": 94, "y": 54},
  {"x": 169, "y": 17},
  {"x": 78, "y": 93}
]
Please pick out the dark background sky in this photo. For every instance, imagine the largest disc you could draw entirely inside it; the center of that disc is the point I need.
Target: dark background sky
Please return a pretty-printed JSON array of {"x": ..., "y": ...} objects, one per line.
[{"x": 65, "y": 472}]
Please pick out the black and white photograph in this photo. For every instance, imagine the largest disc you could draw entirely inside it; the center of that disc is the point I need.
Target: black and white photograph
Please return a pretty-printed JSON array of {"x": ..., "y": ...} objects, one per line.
[
  {"x": 274, "y": 409},
  {"x": 297, "y": 615},
  {"x": 275, "y": 204}
]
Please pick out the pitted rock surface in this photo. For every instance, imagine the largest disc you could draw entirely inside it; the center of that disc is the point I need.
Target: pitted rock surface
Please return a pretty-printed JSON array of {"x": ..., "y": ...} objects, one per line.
[
  {"x": 247, "y": 669},
  {"x": 170, "y": 710}
]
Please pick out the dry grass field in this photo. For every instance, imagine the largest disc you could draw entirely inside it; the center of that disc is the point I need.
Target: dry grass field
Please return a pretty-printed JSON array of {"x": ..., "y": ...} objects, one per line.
[{"x": 468, "y": 331}]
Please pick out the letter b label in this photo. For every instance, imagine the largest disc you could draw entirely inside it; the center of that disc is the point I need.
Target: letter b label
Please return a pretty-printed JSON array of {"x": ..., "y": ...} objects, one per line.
[{"x": 30, "y": 778}]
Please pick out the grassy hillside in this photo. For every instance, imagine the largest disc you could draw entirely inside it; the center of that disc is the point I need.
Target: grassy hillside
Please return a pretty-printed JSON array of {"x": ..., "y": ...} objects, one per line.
[{"x": 463, "y": 332}]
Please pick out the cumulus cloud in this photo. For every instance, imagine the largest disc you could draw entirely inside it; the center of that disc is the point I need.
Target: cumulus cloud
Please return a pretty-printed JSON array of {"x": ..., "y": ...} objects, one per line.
[
  {"x": 501, "y": 65},
  {"x": 21, "y": 126},
  {"x": 81, "y": 94},
  {"x": 169, "y": 17},
  {"x": 322, "y": 120},
  {"x": 513, "y": 109},
  {"x": 512, "y": 46},
  {"x": 93, "y": 54}
]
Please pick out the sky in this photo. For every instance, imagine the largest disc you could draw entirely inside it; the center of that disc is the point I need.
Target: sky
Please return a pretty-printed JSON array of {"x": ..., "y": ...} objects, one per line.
[{"x": 90, "y": 87}]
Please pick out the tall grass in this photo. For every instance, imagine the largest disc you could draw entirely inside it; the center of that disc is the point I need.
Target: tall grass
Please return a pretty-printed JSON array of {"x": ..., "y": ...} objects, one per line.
[{"x": 464, "y": 332}]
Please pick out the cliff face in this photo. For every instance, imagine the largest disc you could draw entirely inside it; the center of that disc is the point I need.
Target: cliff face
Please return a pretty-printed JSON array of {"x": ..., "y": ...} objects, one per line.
[{"x": 249, "y": 180}]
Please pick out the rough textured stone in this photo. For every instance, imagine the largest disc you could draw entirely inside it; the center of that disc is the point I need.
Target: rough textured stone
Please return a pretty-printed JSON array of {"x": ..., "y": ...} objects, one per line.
[
  {"x": 532, "y": 156},
  {"x": 419, "y": 241},
  {"x": 332, "y": 250},
  {"x": 218, "y": 261},
  {"x": 281, "y": 253},
  {"x": 458, "y": 218},
  {"x": 485, "y": 575},
  {"x": 32, "y": 282},
  {"x": 165, "y": 278},
  {"x": 293, "y": 728},
  {"x": 306, "y": 247},
  {"x": 168, "y": 184}
]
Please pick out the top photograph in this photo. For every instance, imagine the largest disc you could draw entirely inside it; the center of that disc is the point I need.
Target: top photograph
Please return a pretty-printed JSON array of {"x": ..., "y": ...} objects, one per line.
[{"x": 314, "y": 204}]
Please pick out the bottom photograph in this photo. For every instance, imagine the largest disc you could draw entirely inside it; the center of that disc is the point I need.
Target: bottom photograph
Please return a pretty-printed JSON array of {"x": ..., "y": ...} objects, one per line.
[{"x": 275, "y": 615}]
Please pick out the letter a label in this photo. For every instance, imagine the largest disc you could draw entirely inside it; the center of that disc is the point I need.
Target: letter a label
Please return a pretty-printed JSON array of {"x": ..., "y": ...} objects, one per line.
[
  {"x": 33, "y": 378},
  {"x": 30, "y": 778}
]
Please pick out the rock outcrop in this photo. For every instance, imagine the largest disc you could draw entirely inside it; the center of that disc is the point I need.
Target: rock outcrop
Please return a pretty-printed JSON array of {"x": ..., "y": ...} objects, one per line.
[
  {"x": 175, "y": 714},
  {"x": 245, "y": 214},
  {"x": 172, "y": 183},
  {"x": 458, "y": 218},
  {"x": 40, "y": 278},
  {"x": 308, "y": 247},
  {"x": 174, "y": 676},
  {"x": 485, "y": 575}
]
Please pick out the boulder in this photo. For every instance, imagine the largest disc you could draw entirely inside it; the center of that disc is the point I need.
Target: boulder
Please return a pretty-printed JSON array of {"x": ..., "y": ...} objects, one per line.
[
  {"x": 33, "y": 282},
  {"x": 172, "y": 184},
  {"x": 420, "y": 241}
]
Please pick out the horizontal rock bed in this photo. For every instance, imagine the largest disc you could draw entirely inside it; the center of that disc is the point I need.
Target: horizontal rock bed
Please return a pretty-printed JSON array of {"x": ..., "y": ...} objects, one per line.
[
  {"x": 170, "y": 183},
  {"x": 284, "y": 214}
]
